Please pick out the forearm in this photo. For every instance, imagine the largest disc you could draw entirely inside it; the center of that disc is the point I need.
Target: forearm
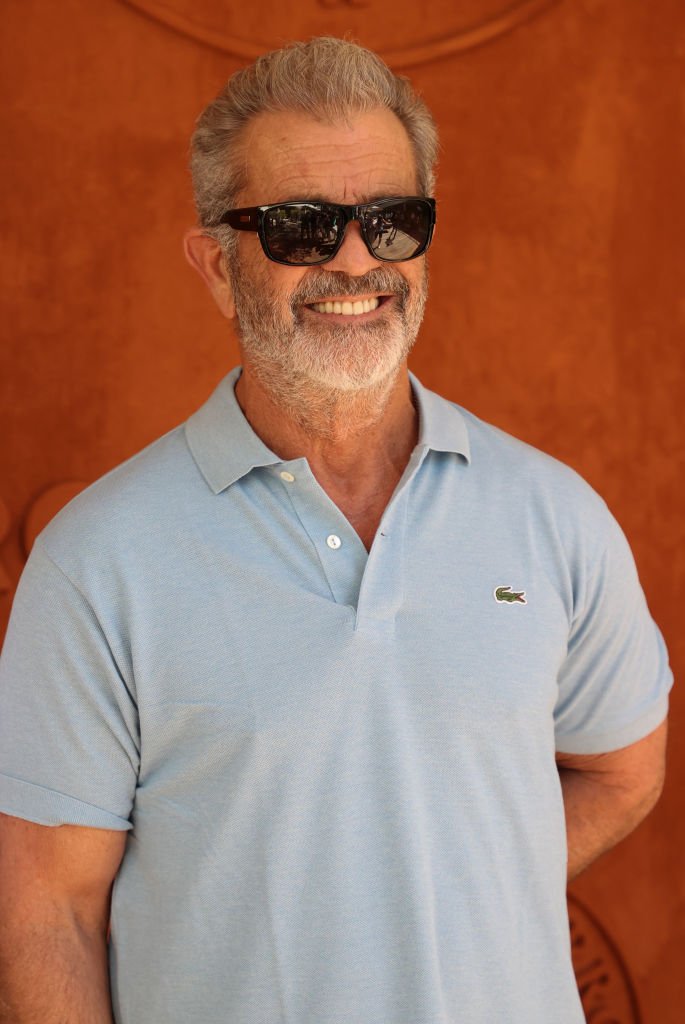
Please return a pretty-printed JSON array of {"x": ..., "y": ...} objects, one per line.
[
  {"x": 53, "y": 972},
  {"x": 598, "y": 815}
]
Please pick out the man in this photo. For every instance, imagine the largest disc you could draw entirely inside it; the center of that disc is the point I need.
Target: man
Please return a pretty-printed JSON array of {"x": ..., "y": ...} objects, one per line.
[{"x": 294, "y": 678}]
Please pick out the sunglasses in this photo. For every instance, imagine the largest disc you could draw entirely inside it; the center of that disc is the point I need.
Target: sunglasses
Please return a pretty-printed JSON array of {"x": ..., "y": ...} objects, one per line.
[{"x": 306, "y": 234}]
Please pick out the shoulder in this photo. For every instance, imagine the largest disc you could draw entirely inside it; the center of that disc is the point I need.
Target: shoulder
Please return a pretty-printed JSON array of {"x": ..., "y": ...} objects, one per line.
[
  {"x": 124, "y": 509},
  {"x": 519, "y": 492},
  {"x": 520, "y": 472}
]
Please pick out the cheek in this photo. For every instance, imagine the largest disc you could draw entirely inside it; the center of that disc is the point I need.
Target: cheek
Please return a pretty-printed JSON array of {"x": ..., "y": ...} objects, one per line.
[
  {"x": 267, "y": 281},
  {"x": 274, "y": 280},
  {"x": 286, "y": 280},
  {"x": 285, "y": 284},
  {"x": 416, "y": 276}
]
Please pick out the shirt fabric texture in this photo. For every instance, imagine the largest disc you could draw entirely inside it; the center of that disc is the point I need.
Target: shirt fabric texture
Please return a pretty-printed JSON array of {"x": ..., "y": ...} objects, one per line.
[{"x": 336, "y": 767}]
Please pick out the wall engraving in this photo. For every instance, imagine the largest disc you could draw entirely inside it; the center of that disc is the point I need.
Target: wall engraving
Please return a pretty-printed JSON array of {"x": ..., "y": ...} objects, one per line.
[
  {"x": 603, "y": 981},
  {"x": 45, "y": 507},
  {"x": 344, "y": 3},
  {"x": 413, "y": 35}
]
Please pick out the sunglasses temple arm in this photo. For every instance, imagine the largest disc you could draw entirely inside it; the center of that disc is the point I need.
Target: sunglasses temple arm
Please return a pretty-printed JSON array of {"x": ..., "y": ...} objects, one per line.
[{"x": 242, "y": 220}]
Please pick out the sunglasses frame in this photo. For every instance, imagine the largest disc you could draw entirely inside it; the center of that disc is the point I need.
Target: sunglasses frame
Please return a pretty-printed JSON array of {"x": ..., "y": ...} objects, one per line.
[{"x": 251, "y": 218}]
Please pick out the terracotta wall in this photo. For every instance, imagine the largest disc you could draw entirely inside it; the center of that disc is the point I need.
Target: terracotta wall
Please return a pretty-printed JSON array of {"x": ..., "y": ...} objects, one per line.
[{"x": 556, "y": 307}]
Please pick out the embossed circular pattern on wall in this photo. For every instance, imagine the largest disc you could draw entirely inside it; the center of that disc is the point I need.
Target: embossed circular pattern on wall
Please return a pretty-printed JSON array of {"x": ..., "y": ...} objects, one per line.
[
  {"x": 603, "y": 981},
  {"x": 47, "y": 505},
  {"x": 414, "y": 34}
]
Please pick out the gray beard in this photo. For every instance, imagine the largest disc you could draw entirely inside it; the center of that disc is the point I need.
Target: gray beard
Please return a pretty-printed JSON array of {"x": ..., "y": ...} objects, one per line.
[{"x": 319, "y": 373}]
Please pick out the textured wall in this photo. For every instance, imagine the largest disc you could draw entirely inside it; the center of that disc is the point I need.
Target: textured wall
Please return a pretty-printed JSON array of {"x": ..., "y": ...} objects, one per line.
[{"x": 556, "y": 306}]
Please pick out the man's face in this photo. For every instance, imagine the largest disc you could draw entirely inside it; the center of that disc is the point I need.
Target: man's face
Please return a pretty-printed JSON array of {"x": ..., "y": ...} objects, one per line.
[{"x": 291, "y": 156}]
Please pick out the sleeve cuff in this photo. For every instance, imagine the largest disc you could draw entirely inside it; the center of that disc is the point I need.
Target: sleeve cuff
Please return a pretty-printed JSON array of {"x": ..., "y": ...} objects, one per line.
[
  {"x": 614, "y": 739},
  {"x": 47, "y": 807}
]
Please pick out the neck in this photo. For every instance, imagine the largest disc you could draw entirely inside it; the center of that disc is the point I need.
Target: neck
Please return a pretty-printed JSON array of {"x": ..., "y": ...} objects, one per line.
[{"x": 355, "y": 440}]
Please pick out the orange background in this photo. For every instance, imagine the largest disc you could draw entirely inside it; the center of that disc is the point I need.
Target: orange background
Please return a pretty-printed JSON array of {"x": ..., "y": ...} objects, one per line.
[{"x": 556, "y": 307}]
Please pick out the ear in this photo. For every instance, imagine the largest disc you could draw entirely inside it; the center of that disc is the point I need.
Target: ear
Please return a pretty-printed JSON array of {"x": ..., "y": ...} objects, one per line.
[{"x": 205, "y": 255}]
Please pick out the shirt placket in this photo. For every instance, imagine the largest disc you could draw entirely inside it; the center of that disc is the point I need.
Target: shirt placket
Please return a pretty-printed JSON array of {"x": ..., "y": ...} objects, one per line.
[
  {"x": 382, "y": 586},
  {"x": 370, "y": 583},
  {"x": 341, "y": 554}
]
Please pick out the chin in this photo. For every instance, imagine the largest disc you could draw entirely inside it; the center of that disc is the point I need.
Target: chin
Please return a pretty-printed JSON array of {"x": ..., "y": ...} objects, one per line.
[
  {"x": 345, "y": 384},
  {"x": 360, "y": 376},
  {"x": 341, "y": 360}
]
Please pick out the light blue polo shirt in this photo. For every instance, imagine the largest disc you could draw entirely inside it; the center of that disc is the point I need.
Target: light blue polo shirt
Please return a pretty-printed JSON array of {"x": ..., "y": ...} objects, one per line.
[{"x": 337, "y": 768}]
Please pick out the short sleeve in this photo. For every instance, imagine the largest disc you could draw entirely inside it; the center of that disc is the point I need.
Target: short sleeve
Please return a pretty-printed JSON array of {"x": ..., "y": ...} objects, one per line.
[
  {"x": 69, "y": 746},
  {"x": 614, "y": 683}
]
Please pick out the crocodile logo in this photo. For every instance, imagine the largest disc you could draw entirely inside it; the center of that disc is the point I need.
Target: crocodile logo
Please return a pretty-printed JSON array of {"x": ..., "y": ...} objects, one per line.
[{"x": 506, "y": 594}]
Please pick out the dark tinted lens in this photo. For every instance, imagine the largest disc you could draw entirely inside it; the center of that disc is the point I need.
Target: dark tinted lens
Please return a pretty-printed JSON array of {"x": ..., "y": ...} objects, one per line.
[
  {"x": 397, "y": 231},
  {"x": 301, "y": 234}
]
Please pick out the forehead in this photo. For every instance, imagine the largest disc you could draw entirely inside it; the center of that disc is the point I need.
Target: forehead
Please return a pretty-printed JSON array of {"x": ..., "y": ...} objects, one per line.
[{"x": 291, "y": 155}]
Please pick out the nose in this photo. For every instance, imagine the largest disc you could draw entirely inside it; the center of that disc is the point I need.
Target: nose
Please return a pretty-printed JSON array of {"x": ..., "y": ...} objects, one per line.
[{"x": 353, "y": 257}]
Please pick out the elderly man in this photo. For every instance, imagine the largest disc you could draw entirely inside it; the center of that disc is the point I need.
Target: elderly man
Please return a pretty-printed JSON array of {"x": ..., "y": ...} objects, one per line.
[{"x": 334, "y": 684}]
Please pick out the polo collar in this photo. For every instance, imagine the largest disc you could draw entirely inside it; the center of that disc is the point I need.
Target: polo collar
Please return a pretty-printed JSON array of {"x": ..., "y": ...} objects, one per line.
[
  {"x": 442, "y": 428},
  {"x": 226, "y": 448},
  {"x": 222, "y": 442}
]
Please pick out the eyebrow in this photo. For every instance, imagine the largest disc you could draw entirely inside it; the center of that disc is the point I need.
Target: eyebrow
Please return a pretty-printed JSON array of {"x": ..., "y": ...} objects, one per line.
[{"x": 318, "y": 198}]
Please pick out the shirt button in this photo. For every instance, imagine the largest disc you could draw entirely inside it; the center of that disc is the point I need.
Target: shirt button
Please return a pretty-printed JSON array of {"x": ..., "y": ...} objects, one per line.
[
  {"x": 333, "y": 541},
  {"x": 287, "y": 476}
]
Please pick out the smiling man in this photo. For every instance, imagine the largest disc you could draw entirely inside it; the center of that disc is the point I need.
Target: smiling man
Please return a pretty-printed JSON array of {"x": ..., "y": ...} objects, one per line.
[
  {"x": 324, "y": 344},
  {"x": 323, "y": 696}
]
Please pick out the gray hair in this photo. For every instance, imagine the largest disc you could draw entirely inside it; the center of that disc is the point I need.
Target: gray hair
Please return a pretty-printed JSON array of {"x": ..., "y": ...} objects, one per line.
[{"x": 328, "y": 78}]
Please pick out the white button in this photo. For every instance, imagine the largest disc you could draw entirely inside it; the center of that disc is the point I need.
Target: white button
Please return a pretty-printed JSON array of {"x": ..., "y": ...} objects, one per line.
[
  {"x": 287, "y": 476},
  {"x": 333, "y": 541}
]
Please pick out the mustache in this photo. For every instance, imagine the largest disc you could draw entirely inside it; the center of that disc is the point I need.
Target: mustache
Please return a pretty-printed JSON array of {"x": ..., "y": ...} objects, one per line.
[{"x": 334, "y": 282}]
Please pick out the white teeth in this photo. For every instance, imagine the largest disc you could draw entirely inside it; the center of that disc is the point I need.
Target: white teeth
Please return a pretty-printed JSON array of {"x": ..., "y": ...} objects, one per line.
[{"x": 347, "y": 308}]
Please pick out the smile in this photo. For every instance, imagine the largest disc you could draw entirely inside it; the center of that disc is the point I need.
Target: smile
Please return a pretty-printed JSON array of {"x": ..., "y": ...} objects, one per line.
[{"x": 346, "y": 307}]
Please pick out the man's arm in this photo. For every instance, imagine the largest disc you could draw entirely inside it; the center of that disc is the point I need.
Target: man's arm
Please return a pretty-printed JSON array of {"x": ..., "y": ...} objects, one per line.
[
  {"x": 606, "y": 796},
  {"x": 55, "y": 888}
]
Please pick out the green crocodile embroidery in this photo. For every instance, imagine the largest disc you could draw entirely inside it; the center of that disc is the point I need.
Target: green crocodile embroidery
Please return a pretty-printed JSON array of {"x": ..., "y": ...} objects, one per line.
[{"x": 509, "y": 595}]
